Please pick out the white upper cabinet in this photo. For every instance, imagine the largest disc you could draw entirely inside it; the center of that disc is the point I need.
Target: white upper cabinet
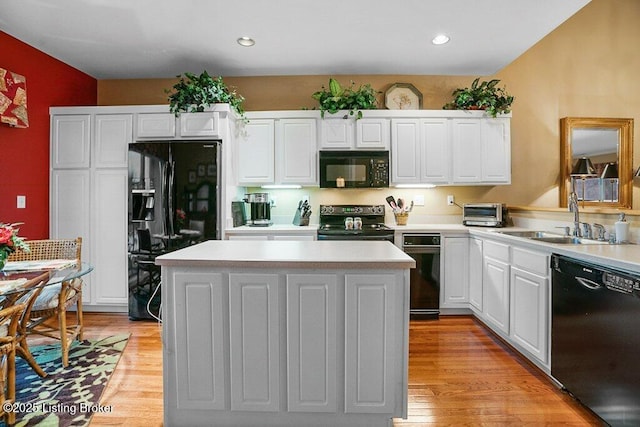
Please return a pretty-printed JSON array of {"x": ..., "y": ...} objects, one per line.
[
  {"x": 155, "y": 126},
  {"x": 481, "y": 151},
  {"x": 70, "y": 139},
  {"x": 372, "y": 134},
  {"x": 405, "y": 151},
  {"x": 467, "y": 150},
  {"x": 496, "y": 150},
  {"x": 112, "y": 137},
  {"x": 338, "y": 133},
  {"x": 199, "y": 125},
  {"x": 296, "y": 151},
  {"x": 256, "y": 152},
  {"x": 434, "y": 143},
  {"x": 450, "y": 151}
]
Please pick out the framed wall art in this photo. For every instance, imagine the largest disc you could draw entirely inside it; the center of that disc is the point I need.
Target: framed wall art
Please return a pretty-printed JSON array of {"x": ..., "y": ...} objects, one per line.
[
  {"x": 403, "y": 96},
  {"x": 13, "y": 99}
]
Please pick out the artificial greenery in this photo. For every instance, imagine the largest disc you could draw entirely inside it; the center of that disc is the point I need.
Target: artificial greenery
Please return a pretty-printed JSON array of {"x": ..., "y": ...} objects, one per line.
[
  {"x": 484, "y": 95},
  {"x": 194, "y": 93},
  {"x": 338, "y": 98}
]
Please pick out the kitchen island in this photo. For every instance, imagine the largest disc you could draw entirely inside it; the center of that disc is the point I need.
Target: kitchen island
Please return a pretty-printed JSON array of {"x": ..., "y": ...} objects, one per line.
[{"x": 285, "y": 333}]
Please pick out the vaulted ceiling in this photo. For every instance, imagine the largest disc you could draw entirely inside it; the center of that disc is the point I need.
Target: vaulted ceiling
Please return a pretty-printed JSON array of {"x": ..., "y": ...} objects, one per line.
[{"x": 112, "y": 39}]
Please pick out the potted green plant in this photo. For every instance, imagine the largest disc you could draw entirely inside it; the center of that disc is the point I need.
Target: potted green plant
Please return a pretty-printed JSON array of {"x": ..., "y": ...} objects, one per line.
[
  {"x": 194, "y": 93},
  {"x": 337, "y": 98},
  {"x": 484, "y": 95}
]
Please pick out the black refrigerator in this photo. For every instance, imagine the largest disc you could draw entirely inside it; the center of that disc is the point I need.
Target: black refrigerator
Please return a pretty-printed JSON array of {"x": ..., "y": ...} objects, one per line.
[{"x": 174, "y": 193}]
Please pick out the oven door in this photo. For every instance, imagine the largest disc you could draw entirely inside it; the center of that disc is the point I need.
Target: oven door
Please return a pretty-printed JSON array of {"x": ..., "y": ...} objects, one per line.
[{"x": 347, "y": 169}]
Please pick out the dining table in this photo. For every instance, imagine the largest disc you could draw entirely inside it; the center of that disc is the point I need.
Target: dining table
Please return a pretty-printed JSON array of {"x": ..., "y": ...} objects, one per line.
[{"x": 23, "y": 281}]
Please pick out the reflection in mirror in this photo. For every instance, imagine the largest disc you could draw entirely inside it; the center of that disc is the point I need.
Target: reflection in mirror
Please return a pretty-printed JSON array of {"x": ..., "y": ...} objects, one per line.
[{"x": 606, "y": 145}]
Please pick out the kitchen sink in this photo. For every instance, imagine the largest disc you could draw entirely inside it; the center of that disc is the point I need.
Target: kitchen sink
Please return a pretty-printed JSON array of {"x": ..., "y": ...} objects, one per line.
[
  {"x": 532, "y": 234},
  {"x": 548, "y": 237}
]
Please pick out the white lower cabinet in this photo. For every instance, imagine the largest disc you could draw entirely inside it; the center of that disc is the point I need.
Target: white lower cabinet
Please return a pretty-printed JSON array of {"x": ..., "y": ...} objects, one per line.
[
  {"x": 495, "y": 285},
  {"x": 300, "y": 343},
  {"x": 509, "y": 292},
  {"x": 475, "y": 274},
  {"x": 254, "y": 342},
  {"x": 370, "y": 343},
  {"x": 529, "y": 303},
  {"x": 455, "y": 258},
  {"x": 312, "y": 342}
]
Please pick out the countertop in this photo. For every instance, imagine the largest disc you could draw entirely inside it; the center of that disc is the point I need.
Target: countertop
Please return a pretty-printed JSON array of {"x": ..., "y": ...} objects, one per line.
[{"x": 290, "y": 254}]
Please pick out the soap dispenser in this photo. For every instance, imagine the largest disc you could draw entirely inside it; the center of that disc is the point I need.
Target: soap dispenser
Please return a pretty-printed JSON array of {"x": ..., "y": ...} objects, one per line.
[{"x": 622, "y": 229}]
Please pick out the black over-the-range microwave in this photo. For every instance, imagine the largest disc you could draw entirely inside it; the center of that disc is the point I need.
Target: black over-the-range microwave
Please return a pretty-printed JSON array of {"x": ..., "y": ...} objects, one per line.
[{"x": 354, "y": 169}]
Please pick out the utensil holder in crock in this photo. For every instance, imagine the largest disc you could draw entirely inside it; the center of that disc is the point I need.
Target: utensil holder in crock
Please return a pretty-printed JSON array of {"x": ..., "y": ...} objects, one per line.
[{"x": 402, "y": 218}]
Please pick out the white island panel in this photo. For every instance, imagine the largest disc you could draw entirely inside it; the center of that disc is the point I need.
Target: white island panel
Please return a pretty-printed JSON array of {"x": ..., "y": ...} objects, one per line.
[{"x": 283, "y": 337}]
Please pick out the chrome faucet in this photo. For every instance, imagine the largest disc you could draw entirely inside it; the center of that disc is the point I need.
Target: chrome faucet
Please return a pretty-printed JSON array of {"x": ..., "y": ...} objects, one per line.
[
  {"x": 573, "y": 207},
  {"x": 600, "y": 230},
  {"x": 587, "y": 233}
]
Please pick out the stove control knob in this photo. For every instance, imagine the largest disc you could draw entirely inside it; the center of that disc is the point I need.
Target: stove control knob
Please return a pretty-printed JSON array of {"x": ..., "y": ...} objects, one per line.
[
  {"x": 326, "y": 210},
  {"x": 379, "y": 209},
  {"x": 357, "y": 209}
]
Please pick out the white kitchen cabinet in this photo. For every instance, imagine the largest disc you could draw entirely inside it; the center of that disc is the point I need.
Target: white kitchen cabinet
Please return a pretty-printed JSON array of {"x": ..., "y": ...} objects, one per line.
[
  {"x": 113, "y": 134},
  {"x": 155, "y": 126},
  {"x": 481, "y": 151},
  {"x": 312, "y": 342},
  {"x": 466, "y": 145},
  {"x": 254, "y": 340},
  {"x": 405, "y": 151},
  {"x": 338, "y": 133},
  {"x": 296, "y": 152},
  {"x": 529, "y": 302},
  {"x": 199, "y": 385},
  {"x": 204, "y": 124},
  {"x": 70, "y": 214},
  {"x": 435, "y": 150},
  {"x": 372, "y": 134},
  {"x": 495, "y": 285},
  {"x": 109, "y": 237},
  {"x": 370, "y": 343},
  {"x": 496, "y": 150},
  {"x": 70, "y": 139},
  {"x": 475, "y": 274},
  {"x": 455, "y": 281},
  {"x": 89, "y": 196},
  {"x": 256, "y": 152}
]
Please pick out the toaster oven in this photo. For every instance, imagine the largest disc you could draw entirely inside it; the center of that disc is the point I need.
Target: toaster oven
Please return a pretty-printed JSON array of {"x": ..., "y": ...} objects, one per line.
[{"x": 484, "y": 214}]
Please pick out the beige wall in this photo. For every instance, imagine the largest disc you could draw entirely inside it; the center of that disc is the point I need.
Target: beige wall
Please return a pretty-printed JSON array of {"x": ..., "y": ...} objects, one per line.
[{"x": 587, "y": 67}]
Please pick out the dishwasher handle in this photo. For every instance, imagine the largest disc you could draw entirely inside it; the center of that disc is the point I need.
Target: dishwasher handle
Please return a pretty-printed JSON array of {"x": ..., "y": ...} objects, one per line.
[
  {"x": 589, "y": 284},
  {"x": 421, "y": 249}
]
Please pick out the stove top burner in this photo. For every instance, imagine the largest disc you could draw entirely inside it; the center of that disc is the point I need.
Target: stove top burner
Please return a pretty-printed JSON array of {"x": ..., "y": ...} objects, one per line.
[{"x": 332, "y": 222}]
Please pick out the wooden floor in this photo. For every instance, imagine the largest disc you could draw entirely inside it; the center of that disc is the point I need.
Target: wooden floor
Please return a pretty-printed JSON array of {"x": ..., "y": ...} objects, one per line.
[{"x": 459, "y": 374}]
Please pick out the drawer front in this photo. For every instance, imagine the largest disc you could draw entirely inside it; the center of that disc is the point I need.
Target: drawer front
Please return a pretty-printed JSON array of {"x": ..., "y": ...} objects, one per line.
[
  {"x": 496, "y": 250},
  {"x": 532, "y": 261}
]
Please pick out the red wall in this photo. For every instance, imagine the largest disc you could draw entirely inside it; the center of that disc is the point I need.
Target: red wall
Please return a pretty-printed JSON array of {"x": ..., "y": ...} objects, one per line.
[{"x": 24, "y": 153}]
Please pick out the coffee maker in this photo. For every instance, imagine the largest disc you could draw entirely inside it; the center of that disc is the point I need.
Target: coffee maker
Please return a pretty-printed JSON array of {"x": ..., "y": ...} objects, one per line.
[{"x": 260, "y": 209}]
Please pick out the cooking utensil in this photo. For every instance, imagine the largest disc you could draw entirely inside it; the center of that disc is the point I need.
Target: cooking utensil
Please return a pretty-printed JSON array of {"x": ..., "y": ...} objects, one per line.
[
  {"x": 392, "y": 203},
  {"x": 400, "y": 203},
  {"x": 409, "y": 208}
]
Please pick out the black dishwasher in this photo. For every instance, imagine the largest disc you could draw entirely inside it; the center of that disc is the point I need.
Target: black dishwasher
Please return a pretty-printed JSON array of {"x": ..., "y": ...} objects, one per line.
[
  {"x": 595, "y": 337},
  {"x": 424, "y": 280}
]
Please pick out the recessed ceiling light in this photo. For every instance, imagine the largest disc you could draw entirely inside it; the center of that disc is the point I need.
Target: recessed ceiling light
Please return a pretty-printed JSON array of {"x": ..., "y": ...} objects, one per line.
[
  {"x": 440, "y": 39},
  {"x": 246, "y": 41}
]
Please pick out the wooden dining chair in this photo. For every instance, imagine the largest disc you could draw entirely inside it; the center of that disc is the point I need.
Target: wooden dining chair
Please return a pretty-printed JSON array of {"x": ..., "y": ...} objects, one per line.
[
  {"x": 9, "y": 318},
  {"x": 47, "y": 314}
]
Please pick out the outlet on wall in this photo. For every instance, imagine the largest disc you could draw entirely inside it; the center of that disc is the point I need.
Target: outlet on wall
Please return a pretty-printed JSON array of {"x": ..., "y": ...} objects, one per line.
[
  {"x": 418, "y": 200},
  {"x": 450, "y": 200}
]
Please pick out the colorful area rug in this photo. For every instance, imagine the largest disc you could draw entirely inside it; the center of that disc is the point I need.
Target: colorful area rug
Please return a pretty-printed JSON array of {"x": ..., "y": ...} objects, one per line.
[{"x": 67, "y": 396}]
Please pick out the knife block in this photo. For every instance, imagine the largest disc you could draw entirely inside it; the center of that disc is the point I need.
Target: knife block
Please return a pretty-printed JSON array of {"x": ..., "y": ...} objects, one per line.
[{"x": 299, "y": 220}]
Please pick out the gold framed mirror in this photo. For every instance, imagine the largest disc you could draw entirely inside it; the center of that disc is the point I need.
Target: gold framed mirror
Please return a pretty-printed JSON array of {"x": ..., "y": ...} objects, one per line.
[{"x": 604, "y": 148}]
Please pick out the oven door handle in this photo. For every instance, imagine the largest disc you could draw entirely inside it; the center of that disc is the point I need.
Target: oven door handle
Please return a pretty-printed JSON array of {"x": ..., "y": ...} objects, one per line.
[
  {"x": 419, "y": 249},
  {"x": 589, "y": 284}
]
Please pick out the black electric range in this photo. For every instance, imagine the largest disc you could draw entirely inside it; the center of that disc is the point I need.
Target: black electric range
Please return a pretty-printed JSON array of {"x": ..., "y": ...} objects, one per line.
[{"x": 333, "y": 220}]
